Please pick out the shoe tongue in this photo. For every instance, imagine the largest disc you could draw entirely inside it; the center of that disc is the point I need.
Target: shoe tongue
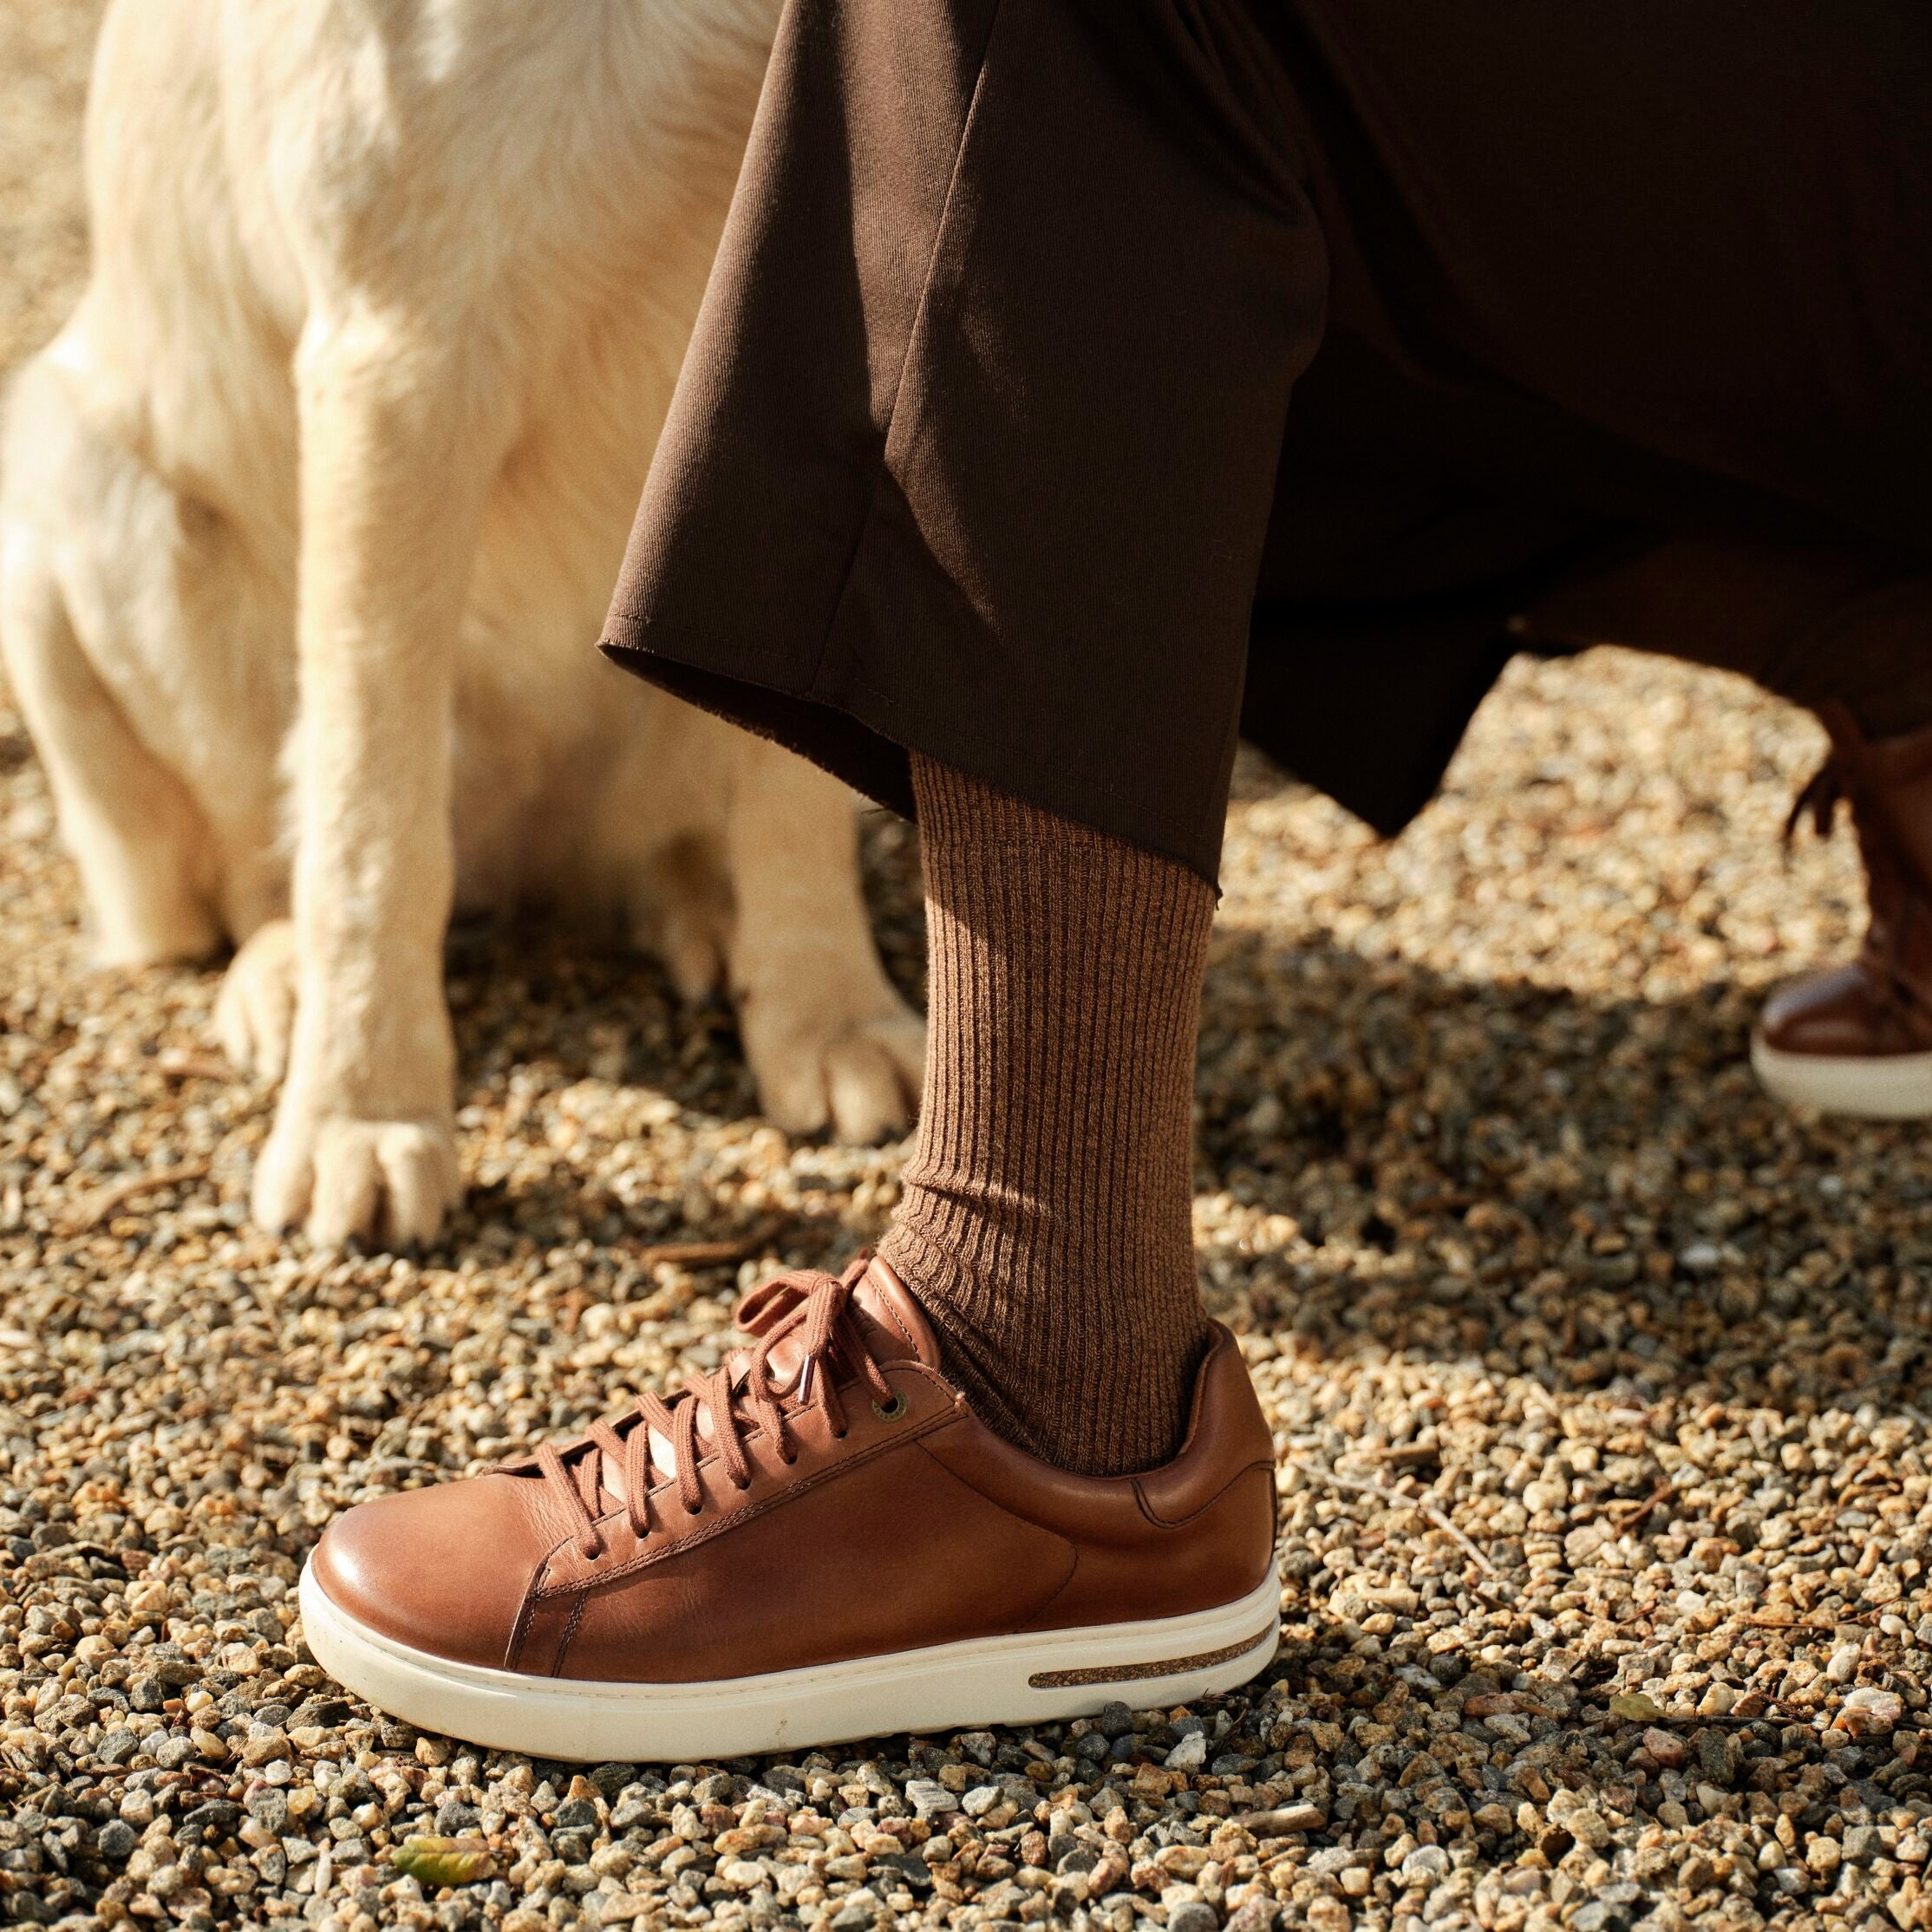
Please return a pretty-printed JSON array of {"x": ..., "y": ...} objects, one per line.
[{"x": 894, "y": 1325}]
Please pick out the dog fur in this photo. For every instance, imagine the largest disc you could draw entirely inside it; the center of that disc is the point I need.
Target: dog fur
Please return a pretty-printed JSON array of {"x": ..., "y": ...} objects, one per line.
[{"x": 309, "y": 517}]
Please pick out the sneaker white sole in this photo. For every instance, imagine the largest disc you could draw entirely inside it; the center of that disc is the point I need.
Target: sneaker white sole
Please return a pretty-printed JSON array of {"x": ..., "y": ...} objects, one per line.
[
  {"x": 1032, "y": 1679},
  {"x": 1877, "y": 1086}
]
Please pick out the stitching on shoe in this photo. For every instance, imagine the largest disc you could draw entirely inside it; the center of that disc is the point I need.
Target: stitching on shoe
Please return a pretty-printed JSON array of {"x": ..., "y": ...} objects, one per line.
[
  {"x": 570, "y": 1632},
  {"x": 1162, "y": 1522},
  {"x": 911, "y": 1341},
  {"x": 655, "y": 1552},
  {"x": 1060, "y": 1590},
  {"x": 519, "y": 1631},
  {"x": 1038, "y": 1619}
]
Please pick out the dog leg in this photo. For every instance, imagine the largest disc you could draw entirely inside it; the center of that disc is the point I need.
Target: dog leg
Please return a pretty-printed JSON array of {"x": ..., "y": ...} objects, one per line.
[
  {"x": 690, "y": 919},
  {"x": 141, "y": 844},
  {"x": 254, "y": 1016},
  {"x": 363, "y": 1145},
  {"x": 829, "y": 1040}
]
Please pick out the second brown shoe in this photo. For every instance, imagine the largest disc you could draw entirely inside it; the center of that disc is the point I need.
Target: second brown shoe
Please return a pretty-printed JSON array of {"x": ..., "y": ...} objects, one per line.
[
  {"x": 818, "y": 1541},
  {"x": 1858, "y": 1039}
]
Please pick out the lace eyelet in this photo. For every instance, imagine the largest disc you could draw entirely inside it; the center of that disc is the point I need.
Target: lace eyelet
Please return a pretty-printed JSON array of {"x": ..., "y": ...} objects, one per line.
[{"x": 893, "y": 1410}]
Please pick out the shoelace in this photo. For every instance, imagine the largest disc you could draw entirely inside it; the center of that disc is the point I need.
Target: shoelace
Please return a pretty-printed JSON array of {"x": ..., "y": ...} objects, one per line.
[{"x": 740, "y": 1391}]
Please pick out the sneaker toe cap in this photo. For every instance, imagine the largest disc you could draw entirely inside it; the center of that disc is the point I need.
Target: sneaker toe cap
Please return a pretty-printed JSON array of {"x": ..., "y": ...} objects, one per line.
[{"x": 444, "y": 1571}]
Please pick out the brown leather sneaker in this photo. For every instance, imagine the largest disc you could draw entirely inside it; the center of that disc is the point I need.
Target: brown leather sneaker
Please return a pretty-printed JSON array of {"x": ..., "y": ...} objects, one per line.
[
  {"x": 1858, "y": 1039},
  {"x": 817, "y": 1541}
]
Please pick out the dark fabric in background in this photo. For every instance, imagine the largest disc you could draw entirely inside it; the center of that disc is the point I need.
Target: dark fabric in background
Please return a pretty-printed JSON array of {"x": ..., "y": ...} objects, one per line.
[{"x": 980, "y": 446}]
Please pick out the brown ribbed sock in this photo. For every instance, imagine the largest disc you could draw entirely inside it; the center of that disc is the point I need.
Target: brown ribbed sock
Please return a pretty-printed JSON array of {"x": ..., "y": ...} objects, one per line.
[{"x": 1045, "y": 1224}]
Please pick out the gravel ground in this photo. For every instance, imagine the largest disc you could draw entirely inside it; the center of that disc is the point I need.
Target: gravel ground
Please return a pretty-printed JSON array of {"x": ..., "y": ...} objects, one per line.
[{"x": 1604, "y": 1495}]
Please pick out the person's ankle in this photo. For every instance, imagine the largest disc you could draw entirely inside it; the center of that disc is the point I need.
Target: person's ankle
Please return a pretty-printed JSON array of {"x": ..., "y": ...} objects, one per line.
[{"x": 1114, "y": 1404}]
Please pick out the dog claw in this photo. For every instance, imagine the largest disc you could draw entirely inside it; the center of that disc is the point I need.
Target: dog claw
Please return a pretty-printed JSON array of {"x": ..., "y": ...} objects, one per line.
[
  {"x": 384, "y": 1184},
  {"x": 863, "y": 1081}
]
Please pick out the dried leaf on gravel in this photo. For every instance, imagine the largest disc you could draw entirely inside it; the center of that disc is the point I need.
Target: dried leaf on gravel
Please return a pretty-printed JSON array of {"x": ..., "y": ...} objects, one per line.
[
  {"x": 445, "y": 1861},
  {"x": 1634, "y": 1708}
]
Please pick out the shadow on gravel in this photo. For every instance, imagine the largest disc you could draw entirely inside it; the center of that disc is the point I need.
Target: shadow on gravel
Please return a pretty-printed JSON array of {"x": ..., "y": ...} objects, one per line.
[
  {"x": 1592, "y": 1193},
  {"x": 553, "y": 998}
]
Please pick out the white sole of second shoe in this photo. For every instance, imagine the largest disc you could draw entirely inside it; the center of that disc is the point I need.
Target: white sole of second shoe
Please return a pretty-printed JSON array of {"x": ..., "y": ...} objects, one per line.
[
  {"x": 1877, "y": 1087},
  {"x": 1032, "y": 1679}
]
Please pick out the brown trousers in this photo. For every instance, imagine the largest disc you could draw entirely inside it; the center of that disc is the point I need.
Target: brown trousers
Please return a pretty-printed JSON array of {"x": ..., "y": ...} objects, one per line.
[{"x": 1083, "y": 381}]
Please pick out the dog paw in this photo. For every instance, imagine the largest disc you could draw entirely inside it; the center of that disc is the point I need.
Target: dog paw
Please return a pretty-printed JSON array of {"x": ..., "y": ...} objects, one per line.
[
  {"x": 385, "y": 1184},
  {"x": 254, "y": 1013},
  {"x": 860, "y": 1077},
  {"x": 692, "y": 950}
]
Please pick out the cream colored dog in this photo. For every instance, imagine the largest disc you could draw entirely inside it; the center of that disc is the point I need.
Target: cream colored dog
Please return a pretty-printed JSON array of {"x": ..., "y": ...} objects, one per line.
[{"x": 309, "y": 519}]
